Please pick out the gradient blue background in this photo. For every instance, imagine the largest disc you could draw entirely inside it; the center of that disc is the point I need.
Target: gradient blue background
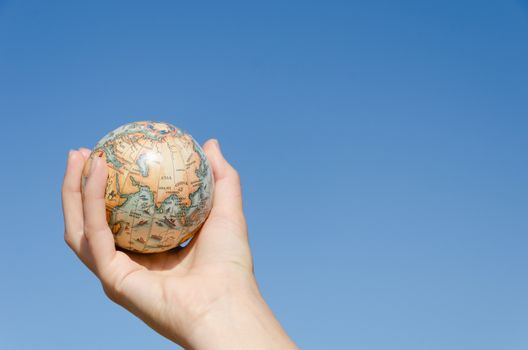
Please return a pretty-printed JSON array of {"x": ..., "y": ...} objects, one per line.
[{"x": 382, "y": 147}]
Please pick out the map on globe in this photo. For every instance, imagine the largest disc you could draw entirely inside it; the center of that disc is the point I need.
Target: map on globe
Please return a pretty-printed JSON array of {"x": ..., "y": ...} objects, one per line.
[{"x": 159, "y": 188}]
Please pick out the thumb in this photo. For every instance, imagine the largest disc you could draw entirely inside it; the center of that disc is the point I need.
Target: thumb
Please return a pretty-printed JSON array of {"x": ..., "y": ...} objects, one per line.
[{"x": 227, "y": 201}]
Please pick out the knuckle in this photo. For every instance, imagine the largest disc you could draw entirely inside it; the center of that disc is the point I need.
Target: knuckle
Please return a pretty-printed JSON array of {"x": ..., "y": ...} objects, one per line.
[
  {"x": 66, "y": 189},
  {"x": 235, "y": 175},
  {"x": 109, "y": 283},
  {"x": 110, "y": 292},
  {"x": 113, "y": 283},
  {"x": 68, "y": 239},
  {"x": 89, "y": 231},
  {"x": 89, "y": 194}
]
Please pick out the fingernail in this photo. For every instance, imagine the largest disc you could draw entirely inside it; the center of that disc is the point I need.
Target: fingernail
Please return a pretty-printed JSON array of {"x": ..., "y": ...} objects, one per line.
[
  {"x": 95, "y": 161},
  {"x": 70, "y": 152},
  {"x": 217, "y": 144}
]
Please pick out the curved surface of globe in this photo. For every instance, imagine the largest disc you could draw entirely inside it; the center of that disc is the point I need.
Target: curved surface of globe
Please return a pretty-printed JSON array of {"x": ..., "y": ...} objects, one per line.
[{"x": 160, "y": 185}]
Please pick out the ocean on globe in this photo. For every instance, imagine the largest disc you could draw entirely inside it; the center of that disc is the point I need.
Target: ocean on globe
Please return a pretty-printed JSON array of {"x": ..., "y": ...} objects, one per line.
[{"x": 160, "y": 185}]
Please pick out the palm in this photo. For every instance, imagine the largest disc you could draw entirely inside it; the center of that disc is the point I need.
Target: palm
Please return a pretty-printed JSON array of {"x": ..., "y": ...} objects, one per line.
[
  {"x": 156, "y": 287},
  {"x": 201, "y": 257}
]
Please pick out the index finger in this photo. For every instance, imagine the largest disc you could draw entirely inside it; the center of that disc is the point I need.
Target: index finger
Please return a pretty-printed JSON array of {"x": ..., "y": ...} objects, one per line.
[{"x": 73, "y": 209}]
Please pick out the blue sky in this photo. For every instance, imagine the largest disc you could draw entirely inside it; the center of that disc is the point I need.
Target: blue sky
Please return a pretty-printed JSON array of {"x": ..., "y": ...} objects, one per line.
[{"x": 382, "y": 147}]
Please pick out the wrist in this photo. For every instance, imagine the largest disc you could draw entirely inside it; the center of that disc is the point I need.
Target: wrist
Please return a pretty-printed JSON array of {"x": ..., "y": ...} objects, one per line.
[{"x": 240, "y": 320}]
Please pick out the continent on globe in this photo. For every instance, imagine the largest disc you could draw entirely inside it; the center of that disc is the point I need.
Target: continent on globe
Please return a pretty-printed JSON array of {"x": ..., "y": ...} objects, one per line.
[{"x": 160, "y": 185}]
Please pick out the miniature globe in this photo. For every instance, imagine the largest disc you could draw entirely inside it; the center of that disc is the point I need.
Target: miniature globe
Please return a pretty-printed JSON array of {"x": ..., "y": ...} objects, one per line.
[{"x": 159, "y": 188}]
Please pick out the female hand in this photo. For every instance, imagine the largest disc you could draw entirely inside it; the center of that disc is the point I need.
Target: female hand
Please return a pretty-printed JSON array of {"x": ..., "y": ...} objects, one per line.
[{"x": 202, "y": 296}]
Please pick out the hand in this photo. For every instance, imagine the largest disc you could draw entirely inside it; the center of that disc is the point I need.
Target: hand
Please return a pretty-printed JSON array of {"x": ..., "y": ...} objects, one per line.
[{"x": 202, "y": 296}]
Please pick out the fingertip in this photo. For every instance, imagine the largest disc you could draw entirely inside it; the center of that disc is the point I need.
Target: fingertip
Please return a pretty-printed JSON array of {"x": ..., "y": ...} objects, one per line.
[
  {"x": 69, "y": 159},
  {"x": 96, "y": 180},
  {"x": 221, "y": 167},
  {"x": 72, "y": 153},
  {"x": 72, "y": 172},
  {"x": 85, "y": 152},
  {"x": 210, "y": 145},
  {"x": 215, "y": 143},
  {"x": 228, "y": 193},
  {"x": 94, "y": 164},
  {"x": 73, "y": 161}
]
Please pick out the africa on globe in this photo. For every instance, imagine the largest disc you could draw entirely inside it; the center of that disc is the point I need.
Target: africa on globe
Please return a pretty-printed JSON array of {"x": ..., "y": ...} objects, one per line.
[{"x": 159, "y": 188}]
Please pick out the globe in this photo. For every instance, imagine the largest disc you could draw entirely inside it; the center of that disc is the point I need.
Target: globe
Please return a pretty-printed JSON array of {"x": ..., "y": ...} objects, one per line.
[{"x": 159, "y": 188}]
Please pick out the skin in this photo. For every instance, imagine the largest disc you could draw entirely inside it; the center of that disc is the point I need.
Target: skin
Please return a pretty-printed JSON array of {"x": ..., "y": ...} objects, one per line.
[{"x": 203, "y": 296}]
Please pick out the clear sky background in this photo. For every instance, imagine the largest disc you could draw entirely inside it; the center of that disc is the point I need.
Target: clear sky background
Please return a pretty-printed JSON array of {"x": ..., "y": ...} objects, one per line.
[{"x": 382, "y": 147}]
